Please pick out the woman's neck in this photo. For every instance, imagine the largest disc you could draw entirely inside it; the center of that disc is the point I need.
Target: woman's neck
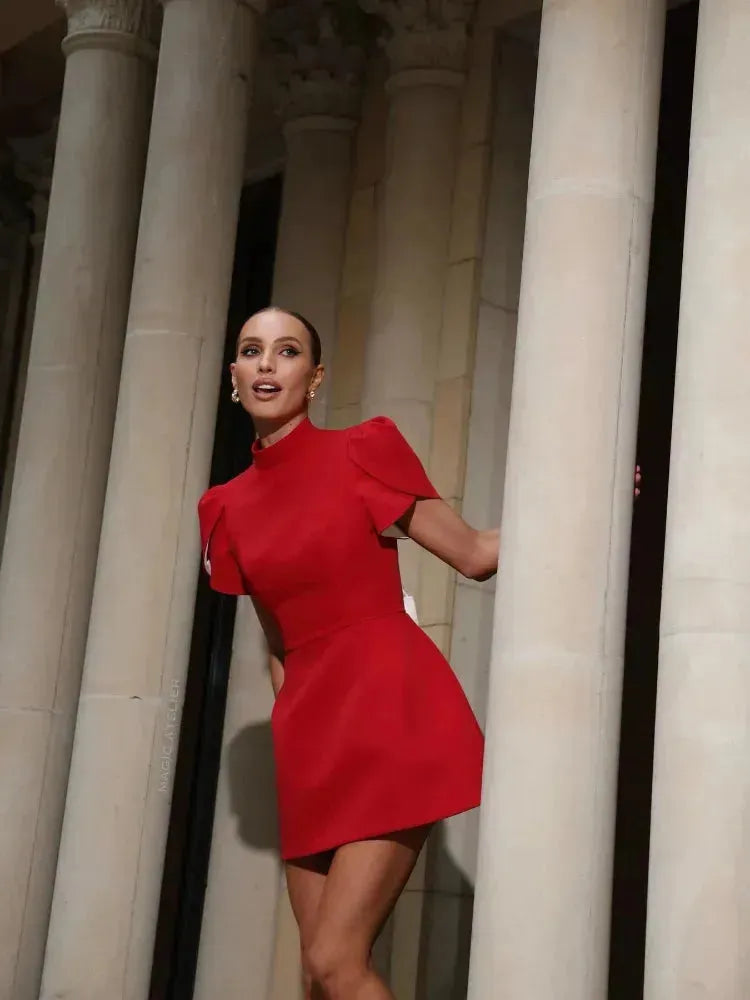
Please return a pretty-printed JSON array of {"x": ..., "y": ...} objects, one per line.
[{"x": 270, "y": 432}]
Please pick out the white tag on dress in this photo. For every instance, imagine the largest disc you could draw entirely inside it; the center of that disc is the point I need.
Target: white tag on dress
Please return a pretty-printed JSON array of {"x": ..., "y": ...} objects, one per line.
[{"x": 410, "y": 607}]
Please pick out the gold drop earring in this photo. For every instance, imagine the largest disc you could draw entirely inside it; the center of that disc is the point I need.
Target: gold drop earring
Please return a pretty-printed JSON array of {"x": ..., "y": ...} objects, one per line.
[{"x": 235, "y": 395}]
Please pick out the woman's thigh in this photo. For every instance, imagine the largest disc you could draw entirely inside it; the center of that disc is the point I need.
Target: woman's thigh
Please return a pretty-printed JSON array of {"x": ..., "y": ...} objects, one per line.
[
  {"x": 363, "y": 883},
  {"x": 305, "y": 880}
]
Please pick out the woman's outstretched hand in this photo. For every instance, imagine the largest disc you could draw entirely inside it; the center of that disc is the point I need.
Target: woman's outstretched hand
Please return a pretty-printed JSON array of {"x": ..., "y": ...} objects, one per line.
[{"x": 638, "y": 479}]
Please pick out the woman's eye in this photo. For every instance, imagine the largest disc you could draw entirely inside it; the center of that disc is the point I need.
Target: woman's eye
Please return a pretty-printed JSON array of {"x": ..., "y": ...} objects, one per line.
[
  {"x": 290, "y": 352},
  {"x": 249, "y": 351}
]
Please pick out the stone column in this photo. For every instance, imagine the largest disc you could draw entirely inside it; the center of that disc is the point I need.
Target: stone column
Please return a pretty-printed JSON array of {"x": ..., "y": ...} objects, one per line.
[
  {"x": 541, "y": 919},
  {"x": 109, "y": 872},
  {"x": 235, "y": 956},
  {"x": 55, "y": 509},
  {"x": 699, "y": 879},
  {"x": 427, "y": 53},
  {"x": 320, "y": 62}
]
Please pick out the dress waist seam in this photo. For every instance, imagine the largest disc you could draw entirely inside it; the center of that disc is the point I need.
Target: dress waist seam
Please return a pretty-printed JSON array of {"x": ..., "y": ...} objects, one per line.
[{"x": 324, "y": 633}]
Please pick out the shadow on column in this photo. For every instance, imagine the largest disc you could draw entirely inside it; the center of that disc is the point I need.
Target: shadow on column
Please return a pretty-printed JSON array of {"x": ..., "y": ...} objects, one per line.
[
  {"x": 252, "y": 787},
  {"x": 447, "y": 917},
  {"x": 649, "y": 519}
]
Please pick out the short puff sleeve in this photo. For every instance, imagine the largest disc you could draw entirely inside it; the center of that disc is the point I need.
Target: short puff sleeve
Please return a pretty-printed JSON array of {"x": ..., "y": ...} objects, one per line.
[
  {"x": 218, "y": 557},
  {"x": 391, "y": 476}
]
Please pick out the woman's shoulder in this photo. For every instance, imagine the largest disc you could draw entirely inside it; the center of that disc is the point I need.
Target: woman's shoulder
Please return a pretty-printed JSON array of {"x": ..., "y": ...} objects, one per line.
[
  {"x": 378, "y": 430},
  {"x": 221, "y": 494},
  {"x": 379, "y": 448}
]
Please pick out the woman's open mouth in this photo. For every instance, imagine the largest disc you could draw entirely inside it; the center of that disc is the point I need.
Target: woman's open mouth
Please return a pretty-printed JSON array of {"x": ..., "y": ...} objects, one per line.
[{"x": 265, "y": 388}]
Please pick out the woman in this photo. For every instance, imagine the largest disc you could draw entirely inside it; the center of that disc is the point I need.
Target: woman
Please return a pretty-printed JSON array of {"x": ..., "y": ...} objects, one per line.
[{"x": 373, "y": 737}]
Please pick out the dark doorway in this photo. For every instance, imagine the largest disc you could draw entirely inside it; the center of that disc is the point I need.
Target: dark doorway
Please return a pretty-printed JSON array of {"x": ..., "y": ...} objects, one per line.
[
  {"x": 649, "y": 518},
  {"x": 197, "y": 770}
]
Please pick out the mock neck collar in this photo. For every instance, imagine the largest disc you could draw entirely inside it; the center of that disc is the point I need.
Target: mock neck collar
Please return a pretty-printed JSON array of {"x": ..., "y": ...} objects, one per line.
[{"x": 286, "y": 448}]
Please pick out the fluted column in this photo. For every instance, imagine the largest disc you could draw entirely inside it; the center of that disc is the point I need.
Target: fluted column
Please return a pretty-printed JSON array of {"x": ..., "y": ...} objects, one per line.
[
  {"x": 117, "y": 810},
  {"x": 541, "y": 918},
  {"x": 699, "y": 879},
  {"x": 55, "y": 509}
]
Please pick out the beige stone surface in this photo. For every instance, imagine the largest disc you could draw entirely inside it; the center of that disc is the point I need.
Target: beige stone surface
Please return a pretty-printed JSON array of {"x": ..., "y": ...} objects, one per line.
[
  {"x": 55, "y": 509},
  {"x": 449, "y": 422},
  {"x": 440, "y": 635},
  {"x": 109, "y": 872},
  {"x": 436, "y": 595},
  {"x": 446, "y": 937},
  {"x": 361, "y": 243},
  {"x": 358, "y": 269},
  {"x": 460, "y": 301},
  {"x": 340, "y": 417},
  {"x": 469, "y": 206},
  {"x": 403, "y": 346},
  {"x": 104, "y": 851},
  {"x": 452, "y": 869},
  {"x": 312, "y": 229},
  {"x": 349, "y": 359},
  {"x": 370, "y": 143},
  {"x": 506, "y": 213},
  {"x": 699, "y": 879},
  {"x": 478, "y": 102},
  {"x": 546, "y": 831},
  {"x": 238, "y": 930}
]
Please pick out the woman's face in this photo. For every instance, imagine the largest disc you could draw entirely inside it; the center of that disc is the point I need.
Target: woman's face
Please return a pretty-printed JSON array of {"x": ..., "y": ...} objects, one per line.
[{"x": 274, "y": 371}]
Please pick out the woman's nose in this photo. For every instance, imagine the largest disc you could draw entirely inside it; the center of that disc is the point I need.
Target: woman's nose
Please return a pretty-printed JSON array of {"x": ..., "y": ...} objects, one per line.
[{"x": 265, "y": 362}]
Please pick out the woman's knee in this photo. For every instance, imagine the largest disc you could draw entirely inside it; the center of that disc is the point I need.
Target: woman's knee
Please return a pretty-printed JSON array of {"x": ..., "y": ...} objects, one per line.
[{"x": 334, "y": 967}]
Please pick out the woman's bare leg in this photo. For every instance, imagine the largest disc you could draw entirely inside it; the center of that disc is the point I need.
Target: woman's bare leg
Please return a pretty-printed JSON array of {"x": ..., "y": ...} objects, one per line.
[
  {"x": 363, "y": 883},
  {"x": 305, "y": 880}
]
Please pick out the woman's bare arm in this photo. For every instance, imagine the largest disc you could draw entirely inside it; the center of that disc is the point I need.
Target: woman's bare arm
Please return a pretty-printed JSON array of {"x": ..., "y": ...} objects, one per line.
[
  {"x": 435, "y": 526},
  {"x": 275, "y": 646}
]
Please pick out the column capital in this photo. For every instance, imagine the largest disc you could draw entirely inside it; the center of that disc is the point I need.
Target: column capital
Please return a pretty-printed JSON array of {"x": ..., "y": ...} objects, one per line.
[
  {"x": 320, "y": 50},
  {"x": 128, "y": 25},
  {"x": 425, "y": 35}
]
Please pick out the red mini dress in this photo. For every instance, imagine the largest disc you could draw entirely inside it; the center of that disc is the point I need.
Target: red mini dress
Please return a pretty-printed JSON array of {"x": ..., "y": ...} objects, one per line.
[{"x": 372, "y": 732}]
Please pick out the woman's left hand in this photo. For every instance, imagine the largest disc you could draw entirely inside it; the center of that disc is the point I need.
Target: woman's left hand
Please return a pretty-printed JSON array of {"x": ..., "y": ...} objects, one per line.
[{"x": 638, "y": 479}]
